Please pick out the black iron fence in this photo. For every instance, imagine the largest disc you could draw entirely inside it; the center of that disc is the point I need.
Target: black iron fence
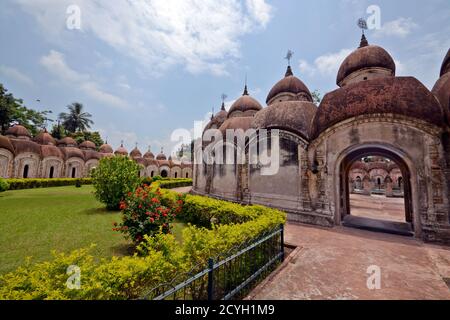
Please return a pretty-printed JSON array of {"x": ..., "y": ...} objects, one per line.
[{"x": 229, "y": 277}]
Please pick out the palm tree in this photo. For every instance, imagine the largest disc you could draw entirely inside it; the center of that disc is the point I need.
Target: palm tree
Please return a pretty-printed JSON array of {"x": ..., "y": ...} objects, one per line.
[{"x": 76, "y": 119}]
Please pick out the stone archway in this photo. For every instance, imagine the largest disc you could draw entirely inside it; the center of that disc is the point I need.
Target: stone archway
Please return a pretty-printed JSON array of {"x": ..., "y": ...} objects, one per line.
[{"x": 358, "y": 152}]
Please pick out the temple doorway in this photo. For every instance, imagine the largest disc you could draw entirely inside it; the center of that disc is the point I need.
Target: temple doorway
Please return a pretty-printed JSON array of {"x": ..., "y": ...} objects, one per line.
[{"x": 375, "y": 192}]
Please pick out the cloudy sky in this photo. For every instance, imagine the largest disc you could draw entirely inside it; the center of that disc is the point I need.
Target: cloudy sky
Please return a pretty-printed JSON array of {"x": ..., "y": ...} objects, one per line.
[{"x": 145, "y": 68}]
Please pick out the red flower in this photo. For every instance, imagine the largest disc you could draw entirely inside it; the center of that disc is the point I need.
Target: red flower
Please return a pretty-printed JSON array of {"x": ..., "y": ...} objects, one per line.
[
  {"x": 155, "y": 200},
  {"x": 152, "y": 220}
]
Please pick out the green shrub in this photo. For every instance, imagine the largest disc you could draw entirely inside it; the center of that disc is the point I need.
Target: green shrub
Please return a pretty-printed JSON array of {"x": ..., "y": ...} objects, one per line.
[
  {"x": 18, "y": 184},
  {"x": 157, "y": 178},
  {"x": 145, "y": 214},
  {"x": 3, "y": 185},
  {"x": 113, "y": 178}
]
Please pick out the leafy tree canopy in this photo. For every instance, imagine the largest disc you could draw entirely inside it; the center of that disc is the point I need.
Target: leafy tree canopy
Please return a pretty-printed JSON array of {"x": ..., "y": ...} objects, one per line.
[{"x": 12, "y": 111}]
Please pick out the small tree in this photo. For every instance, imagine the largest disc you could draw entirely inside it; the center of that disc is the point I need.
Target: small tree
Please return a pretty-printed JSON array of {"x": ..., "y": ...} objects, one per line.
[{"x": 113, "y": 179}]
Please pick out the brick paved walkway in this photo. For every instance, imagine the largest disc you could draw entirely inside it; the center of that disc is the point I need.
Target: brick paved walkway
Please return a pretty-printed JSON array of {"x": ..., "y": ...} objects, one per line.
[{"x": 332, "y": 264}]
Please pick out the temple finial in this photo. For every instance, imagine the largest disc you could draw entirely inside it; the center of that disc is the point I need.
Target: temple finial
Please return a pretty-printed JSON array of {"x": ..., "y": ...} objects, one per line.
[
  {"x": 245, "y": 87},
  {"x": 364, "y": 42},
  {"x": 121, "y": 143},
  {"x": 288, "y": 57},
  {"x": 224, "y": 96}
]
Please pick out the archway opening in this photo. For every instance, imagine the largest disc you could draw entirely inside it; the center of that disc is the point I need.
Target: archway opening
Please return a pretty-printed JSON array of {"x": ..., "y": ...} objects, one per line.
[
  {"x": 187, "y": 175},
  {"x": 25, "y": 171},
  {"x": 176, "y": 175},
  {"x": 375, "y": 192},
  {"x": 164, "y": 174},
  {"x": 152, "y": 174},
  {"x": 52, "y": 172},
  {"x": 74, "y": 172}
]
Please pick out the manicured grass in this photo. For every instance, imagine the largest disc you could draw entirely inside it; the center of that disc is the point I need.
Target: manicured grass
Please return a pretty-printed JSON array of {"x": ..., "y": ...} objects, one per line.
[{"x": 36, "y": 221}]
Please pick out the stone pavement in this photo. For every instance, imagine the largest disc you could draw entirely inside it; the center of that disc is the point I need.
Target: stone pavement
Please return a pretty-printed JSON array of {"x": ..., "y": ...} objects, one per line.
[
  {"x": 378, "y": 207},
  {"x": 332, "y": 264},
  {"x": 182, "y": 189}
]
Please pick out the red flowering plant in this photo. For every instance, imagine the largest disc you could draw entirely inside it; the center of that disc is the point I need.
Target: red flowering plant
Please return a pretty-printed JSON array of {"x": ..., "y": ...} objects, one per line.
[{"x": 145, "y": 212}]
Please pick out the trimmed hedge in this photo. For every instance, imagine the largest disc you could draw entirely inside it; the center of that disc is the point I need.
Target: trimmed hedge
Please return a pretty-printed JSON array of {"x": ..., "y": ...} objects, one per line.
[
  {"x": 18, "y": 184},
  {"x": 174, "y": 183},
  {"x": 158, "y": 259}
]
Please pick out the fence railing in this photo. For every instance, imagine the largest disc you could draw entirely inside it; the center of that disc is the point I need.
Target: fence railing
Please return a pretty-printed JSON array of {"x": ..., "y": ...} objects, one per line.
[{"x": 230, "y": 277}]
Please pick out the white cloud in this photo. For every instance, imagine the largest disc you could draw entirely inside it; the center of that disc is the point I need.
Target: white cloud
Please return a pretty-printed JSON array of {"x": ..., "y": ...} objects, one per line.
[
  {"x": 16, "y": 75},
  {"x": 325, "y": 65},
  {"x": 201, "y": 35},
  {"x": 400, "y": 27},
  {"x": 55, "y": 63}
]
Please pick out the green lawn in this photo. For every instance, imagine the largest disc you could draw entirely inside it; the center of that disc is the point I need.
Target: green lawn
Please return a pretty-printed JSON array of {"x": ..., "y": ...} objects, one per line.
[{"x": 36, "y": 221}]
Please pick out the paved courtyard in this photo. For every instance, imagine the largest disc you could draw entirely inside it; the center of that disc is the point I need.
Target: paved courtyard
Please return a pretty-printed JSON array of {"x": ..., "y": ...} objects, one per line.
[
  {"x": 332, "y": 264},
  {"x": 378, "y": 207}
]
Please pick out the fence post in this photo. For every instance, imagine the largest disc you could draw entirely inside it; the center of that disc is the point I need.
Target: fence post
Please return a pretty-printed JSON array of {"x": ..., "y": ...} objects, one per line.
[
  {"x": 282, "y": 242},
  {"x": 211, "y": 279}
]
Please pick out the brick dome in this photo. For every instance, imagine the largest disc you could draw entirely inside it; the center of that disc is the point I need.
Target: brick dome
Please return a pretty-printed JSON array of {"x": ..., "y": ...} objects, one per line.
[
  {"x": 121, "y": 151},
  {"x": 18, "y": 131},
  {"x": 5, "y": 143},
  {"x": 88, "y": 145},
  {"x": 294, "y": 116},
  {"x": 45, "y": 138},
  {"x": 289, "y": 84},
  {"x": 106, "y": 148},
  {"x": 366, "y": 56},
  {"x": 244, "y": 105},
  {"x": 405, "y": 96}
]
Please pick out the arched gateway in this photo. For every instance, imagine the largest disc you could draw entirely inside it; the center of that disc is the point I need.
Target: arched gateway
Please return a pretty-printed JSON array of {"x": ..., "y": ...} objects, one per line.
[{"x": 406, "y": 167}]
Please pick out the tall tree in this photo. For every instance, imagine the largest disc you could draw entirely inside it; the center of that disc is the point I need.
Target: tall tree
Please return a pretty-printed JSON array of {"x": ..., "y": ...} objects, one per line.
[
  {"x": 76, "y": 120},
  {"x": 12, "y": 111}
]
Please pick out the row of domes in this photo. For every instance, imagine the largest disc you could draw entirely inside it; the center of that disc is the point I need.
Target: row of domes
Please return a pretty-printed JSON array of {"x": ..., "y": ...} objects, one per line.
[
  {"x": 367, "y": 85},
  {"x": 22, "y": 141}
]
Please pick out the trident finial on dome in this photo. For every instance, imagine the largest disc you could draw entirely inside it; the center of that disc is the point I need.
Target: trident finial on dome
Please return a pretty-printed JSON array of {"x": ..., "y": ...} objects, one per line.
[
  {"x": 121, "y": 143},
  {"x": 289, "y": 55},
  {"x": 362, "y": 24},
  {"x": 224, "y": 96}
]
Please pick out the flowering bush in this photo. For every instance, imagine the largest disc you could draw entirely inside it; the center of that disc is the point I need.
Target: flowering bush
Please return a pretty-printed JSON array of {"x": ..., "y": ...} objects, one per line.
[{"x": 146, "y": 213}]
